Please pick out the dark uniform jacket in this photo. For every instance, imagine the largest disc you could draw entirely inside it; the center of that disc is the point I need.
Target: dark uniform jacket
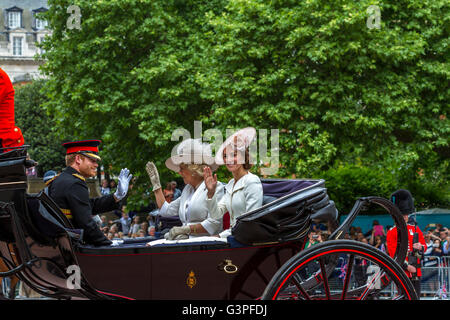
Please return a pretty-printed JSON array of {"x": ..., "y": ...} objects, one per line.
[{"x": 70, "y": 192}]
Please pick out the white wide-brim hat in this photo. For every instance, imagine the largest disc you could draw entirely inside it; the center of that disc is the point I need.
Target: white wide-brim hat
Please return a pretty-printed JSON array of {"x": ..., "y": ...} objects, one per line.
[
  {"x": 191, "y": 151},
  {"x": 240, "y": 139}
]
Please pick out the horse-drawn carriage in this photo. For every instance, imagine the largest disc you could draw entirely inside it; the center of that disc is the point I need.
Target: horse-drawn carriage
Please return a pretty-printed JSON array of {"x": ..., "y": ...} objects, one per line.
[{"x": 263, "y": 259}]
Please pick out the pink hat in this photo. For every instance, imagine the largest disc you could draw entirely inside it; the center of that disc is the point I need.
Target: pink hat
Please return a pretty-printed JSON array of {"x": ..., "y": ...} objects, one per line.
[{"x": 240, "y": 139}]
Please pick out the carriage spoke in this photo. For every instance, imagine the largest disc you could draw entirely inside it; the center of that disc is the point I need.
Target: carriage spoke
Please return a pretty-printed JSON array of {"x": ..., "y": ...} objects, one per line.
[
  {"x": 297, "y": 281},
  {"x": 348, "y": 275},
  {"x": 370, "y": 285},
  {"x": 324, "y": 276}
]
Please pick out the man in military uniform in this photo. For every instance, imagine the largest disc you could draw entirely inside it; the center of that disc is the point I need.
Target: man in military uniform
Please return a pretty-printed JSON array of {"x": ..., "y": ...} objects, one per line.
[
  {"x": 70, "y": 191},
  {"x": 405, "y": 203}
]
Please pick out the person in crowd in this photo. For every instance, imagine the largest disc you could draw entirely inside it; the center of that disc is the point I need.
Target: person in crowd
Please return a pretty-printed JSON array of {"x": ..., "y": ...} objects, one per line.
[
  {"x": 359, "y": 236},
  {"x": 70, "y": 191},
  {"x": 124, "y": 221},
  {"x": 437, "y": 249},
  {"x": 112, "y": 186},
  {"x": 429, "y": 254},
  {"x": 405, "y": 203},
  {"x": 377, "y": 229},
  {"x": 104, "y": 221},
  {"x": 314, "y": 237},
  {"x": 141, "y": 233},
  {"x": 135, "y": 226},
  {"x": 430, "y": 263},
  {"x": 151, "y": 221},
  {"x": 446, "y": 245},
  {"x": 352, "y": 233},
  {"x": 244, "y": 191},
  {"x": 176, "y": 191},
  {"x": 377, "y": 242},
  {"x": 144, "y": 227},
  {"x": 104, "y": 189},
  {"x": 443, "y": 235},
  {"x": 114, "y": 229},
  {"x": 48, "y": 176},
  {"x": 151, "y": 231},
  {"x": 168, "y": 192},
  {"x": 191, "y": 157}
]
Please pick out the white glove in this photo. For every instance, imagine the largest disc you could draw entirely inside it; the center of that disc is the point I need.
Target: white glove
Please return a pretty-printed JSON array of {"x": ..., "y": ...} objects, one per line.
[
  {"x": 153, "y": 175},
  {"x": 124, "y": 182},
  {"x": 179, "y": 233}
]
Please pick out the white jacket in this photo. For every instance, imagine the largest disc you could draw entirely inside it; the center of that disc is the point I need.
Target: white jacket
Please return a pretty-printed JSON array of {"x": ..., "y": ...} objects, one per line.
[
  {"x": 192, "y": 209},
  {"x": 239, "y": 198}
]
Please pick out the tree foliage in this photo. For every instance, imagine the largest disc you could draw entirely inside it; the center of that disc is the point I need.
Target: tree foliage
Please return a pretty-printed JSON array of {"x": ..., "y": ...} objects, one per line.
[
  {"x": 338, "y": 91},
  {"x": 38, "y": 128}
]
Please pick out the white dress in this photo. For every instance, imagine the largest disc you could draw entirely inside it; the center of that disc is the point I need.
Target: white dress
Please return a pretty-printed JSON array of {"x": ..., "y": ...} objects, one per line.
[
  {"x": 239, "y": 198},
  {"x": 192, "y": 209}
]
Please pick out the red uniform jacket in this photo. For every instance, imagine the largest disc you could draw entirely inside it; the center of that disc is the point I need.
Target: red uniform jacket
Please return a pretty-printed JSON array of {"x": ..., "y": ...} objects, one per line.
[
  {"x": 391, "y": 242},
  {"x": 10, "y": 135}
]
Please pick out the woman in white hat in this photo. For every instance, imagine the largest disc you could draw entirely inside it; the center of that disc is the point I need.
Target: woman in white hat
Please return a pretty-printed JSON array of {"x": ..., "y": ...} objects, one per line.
[
  {"x": 244, "y": 192},
  {"x": 191, "y": 158}
]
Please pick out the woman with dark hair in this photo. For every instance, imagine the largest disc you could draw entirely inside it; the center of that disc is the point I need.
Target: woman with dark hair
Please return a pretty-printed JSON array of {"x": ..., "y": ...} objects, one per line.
[
  {"x": 244, "y": 192},
  {"x": 168, "y": 192}
]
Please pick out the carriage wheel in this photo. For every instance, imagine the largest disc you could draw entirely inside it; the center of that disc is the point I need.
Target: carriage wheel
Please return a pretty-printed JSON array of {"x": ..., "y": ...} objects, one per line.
[{"x": 358, "y": 272}]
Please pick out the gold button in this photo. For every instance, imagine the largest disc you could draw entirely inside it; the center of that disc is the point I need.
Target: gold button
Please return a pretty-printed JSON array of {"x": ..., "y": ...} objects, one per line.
[
  {"x": 15, "y": 129},
  {"x": 18, "y": 141}
]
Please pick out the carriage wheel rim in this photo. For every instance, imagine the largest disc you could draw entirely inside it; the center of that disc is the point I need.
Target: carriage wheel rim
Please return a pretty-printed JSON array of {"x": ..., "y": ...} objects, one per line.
[{"x": 334, "y": 251}]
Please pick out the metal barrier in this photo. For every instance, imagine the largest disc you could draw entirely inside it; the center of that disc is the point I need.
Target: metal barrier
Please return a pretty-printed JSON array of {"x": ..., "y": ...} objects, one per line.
[{"x": 435, "y": 280}]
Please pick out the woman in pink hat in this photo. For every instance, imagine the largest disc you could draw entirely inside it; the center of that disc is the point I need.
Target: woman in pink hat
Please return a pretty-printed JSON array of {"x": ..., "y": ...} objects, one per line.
[
  {"x": 191, "y": 157},
  {"x": 244, "y": 192}
]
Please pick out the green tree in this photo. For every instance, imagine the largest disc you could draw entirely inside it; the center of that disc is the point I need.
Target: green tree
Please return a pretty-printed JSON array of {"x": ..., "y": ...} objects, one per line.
[
  {"x": 342, "y": 91},
  {"x": 37, "y": 127},
  {"x": 127, "y": 76},
  {"x": 339, "y": 91}
]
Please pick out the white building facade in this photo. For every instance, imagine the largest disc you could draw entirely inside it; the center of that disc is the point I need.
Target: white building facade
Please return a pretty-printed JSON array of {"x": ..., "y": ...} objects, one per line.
[{"x": 20, "y": 30}]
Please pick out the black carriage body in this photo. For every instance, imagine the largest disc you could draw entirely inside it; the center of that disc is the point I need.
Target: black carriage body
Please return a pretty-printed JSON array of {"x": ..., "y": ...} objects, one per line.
[
  {"x": 206, "y": 271},
  {"x": 39, "y": 244}
]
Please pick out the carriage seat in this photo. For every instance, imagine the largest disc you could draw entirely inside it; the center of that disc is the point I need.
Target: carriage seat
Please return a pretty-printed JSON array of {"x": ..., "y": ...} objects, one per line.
[
  {"x": 288, "y": 209},
  {"x": 47, "y": 222},
  {"x": 277, "y": 189}
]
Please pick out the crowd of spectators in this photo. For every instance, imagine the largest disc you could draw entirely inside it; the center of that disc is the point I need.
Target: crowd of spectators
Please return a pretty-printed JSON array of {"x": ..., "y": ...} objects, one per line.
[
  {"x": 130, "y": 224},
  {"x": 128, "y": 227},
  {"x": 436, "y": 237}
]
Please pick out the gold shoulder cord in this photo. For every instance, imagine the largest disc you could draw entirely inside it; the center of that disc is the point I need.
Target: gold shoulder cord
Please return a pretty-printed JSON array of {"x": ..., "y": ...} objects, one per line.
[
  {"x": 51, "y": 180},
  {"x": 78, "y": 176}
]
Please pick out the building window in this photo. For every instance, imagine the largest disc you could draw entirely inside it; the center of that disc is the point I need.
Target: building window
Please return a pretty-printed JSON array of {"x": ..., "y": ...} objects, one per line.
[
  {"x": 14, "y": 19},
  {"x": 41, "y": 50},
  {"x": 17, "y": 46},
  {"x": 41, "y": 24}
]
